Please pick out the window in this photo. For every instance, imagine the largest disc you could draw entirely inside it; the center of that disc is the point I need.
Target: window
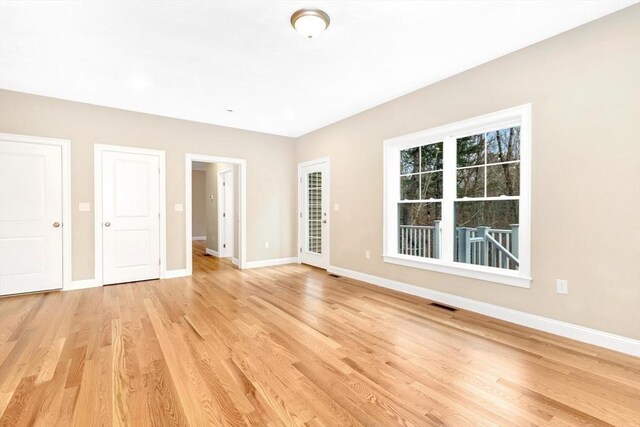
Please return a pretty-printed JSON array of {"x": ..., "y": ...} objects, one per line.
[
  {"x": 314, "y": 213},
  {"x": 457, "y": 198}
]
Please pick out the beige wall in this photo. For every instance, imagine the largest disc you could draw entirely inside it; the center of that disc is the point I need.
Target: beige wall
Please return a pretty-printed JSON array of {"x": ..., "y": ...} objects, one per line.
[
  {"x": 271, "y": 171},
  {"x": 584, "y": 86},
  {"x": 198, "y": 203}
]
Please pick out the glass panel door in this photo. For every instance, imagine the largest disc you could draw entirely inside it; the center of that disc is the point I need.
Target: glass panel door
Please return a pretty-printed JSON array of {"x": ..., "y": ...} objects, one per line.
[{"x": 314, "y": 215}]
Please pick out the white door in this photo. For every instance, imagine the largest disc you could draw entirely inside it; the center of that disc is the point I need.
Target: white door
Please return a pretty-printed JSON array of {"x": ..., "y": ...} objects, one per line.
[
  {"x": 30, "y": 217},
  {"x": 225, "y": 179},
  {"x": 130, "y": 217},
  {"x": 314, "y": 215}
]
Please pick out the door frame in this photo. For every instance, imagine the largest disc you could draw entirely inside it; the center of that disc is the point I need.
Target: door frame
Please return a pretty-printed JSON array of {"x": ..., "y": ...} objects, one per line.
[
  {"x": 242, "y": 204},
  {"x": 302, "y": 165},
  {"x": 65, "y": 145},
  {"x": 222, "y": 195},
  {"x": 98, "y": 149}
]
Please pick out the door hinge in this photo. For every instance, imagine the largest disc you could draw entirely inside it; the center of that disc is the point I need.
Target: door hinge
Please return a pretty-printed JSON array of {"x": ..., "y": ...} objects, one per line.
[
  {"x": 300, "y": 249},
  {"x": 224, "y": 183},
  {"x": 159, "y": 262},
  {"x": 300, "y": 214},
  {"x": 224, "y": 245},
  {"x": 224, "y": 215}
]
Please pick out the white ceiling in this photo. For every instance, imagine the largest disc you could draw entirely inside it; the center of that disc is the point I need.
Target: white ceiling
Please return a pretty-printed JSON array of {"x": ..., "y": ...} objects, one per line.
[{"x": 192, "y": 60}]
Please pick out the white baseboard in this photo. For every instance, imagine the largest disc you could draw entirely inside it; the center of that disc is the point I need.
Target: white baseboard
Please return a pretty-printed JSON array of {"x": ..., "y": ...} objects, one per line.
[
  {"x": 212, "y": 252},
  {"x": 81, "y": 284},
  {"x": 556, "y": 327},
  {"x": 199, "y": 238},
  {"x": 172, "y": 274},
  {"x": 235, "y": 261},
  {"x": 270, "y": 262},
  {"x": 92, "y": 283}
]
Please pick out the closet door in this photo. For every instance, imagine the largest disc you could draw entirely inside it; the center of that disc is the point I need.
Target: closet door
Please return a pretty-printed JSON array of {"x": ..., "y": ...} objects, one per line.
[{"x": 30, "y": 217}]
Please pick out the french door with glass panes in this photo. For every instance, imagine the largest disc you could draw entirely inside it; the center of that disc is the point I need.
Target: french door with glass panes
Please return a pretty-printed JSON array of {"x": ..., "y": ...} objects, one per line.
[{"x": 314, "y": 212}]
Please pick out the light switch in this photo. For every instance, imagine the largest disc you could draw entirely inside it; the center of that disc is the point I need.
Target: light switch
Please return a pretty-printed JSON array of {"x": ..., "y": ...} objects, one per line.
[
  {"x": 178, "y": 207},
  {"x": 84, "y": 207}
]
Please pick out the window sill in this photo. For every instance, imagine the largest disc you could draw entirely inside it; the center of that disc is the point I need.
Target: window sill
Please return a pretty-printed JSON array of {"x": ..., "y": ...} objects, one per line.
[{"x": 488, "y": 274}]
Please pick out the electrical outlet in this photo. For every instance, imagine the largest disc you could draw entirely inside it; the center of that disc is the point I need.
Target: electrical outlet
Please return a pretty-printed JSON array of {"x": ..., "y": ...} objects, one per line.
[
  {"x": 367, "y": 254},
  {"x": 562, "y": 286},
  {"x": 266, "y": 245}
]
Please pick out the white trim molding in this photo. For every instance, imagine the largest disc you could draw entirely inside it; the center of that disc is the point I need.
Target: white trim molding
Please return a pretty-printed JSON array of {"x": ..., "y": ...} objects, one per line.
[
  {"x": 98, "y": 149},
  {"x": 545, "y": 324},
  {"x": 65, "y": 146},
  {"x": 271, "y": 262},
  {"x": 194, "y": 238},
  {"x": 212, "y": 252},
  {"x": 172, "y": 274},
  {"x": 189, "y": 158},
  {"x": 225, "y": 251},
  {"x": 447, "y": 135},
  {"x": 82, "y": 284},
  {"x": 234, "y": 261}
]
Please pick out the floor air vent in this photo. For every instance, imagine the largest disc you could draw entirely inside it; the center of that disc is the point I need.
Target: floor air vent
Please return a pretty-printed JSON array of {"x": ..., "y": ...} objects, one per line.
[{"x": 444, "y": 307}]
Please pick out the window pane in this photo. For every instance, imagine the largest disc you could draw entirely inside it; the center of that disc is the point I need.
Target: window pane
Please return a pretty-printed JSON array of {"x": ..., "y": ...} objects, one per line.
[
  {"x": 431, "y": 157},
  {"x": 503, "y": 180},
  {"x": 431, "y": 185},
  {"x": 314, "y": 212},
  {"x": 471, "y": 182},
  {"x": 419, "y": 229},
  {"x": 470, "y": 150},
  {"x": 410, "y": 187},
  {"x": 481, "y": 228},
  {"x": 503, "y": 145},
  {"x": 410, "y": 160}
]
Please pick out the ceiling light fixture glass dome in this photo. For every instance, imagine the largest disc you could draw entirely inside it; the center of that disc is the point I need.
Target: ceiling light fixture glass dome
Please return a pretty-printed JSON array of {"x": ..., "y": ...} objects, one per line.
[{"x": 310, "y": 23}]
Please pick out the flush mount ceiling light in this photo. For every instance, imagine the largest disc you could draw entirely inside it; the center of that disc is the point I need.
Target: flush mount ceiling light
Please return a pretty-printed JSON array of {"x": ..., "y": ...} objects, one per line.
[{"x": 310, "y": 22}]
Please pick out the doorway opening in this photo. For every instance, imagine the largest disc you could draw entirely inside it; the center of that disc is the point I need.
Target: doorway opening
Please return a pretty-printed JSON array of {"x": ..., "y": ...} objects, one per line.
[{"x": 215, "y": 210}]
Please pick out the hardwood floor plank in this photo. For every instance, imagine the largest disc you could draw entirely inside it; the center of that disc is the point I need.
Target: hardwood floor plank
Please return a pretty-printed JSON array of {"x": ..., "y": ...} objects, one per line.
[{"x": 291, "y": 345}]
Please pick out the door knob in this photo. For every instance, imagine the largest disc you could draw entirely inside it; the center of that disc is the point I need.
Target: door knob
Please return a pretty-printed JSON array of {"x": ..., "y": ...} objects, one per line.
[
  {"x": 107, "y": 224},
  {"x": 56, "y": 224}
]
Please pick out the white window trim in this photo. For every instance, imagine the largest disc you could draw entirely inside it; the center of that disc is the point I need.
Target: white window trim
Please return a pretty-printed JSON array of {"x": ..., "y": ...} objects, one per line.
[{"x": 391, "y": 163}]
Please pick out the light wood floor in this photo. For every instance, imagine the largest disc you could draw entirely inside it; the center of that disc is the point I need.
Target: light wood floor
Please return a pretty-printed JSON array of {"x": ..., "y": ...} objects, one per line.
[{"x": 291, "y": 345}]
